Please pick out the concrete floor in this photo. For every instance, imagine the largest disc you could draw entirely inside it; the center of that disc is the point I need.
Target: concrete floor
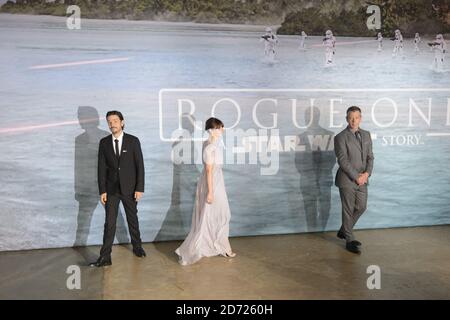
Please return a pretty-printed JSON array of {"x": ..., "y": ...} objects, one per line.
[{"x": 414, "y": 262}]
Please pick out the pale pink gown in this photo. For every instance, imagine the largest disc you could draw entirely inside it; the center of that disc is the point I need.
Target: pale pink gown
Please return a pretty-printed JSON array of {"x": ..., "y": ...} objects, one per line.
[{"x": 210, "y": 222}]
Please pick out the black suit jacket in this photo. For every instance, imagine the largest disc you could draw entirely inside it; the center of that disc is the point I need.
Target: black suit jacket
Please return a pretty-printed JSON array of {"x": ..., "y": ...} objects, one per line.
[{"x": 127, "y": 172}]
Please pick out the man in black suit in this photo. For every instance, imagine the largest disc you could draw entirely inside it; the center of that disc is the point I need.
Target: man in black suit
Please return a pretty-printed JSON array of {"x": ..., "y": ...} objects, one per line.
[{"x": 120, "y": 178}]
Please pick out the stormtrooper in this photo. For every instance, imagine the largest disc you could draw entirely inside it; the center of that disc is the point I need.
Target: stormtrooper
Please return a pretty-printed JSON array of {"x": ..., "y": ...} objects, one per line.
[
  {"x": 439, "y": 47},
  {"x": 380, "y": 41},
  {"x": 398, "y": 44},
  {"x": 270, "y": 41},
  {"x": 330, "y": 43},
  {"x": 417, "y": 40},
  {"x": 302, "y": 40}
]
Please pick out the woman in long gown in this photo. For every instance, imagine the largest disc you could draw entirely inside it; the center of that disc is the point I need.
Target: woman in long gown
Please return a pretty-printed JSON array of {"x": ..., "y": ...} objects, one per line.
[{"x": 211, "y": 215}]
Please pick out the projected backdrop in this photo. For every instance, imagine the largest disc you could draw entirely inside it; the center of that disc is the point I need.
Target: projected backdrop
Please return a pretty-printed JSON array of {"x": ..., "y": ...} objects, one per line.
[{"x": 281, "y": 98}]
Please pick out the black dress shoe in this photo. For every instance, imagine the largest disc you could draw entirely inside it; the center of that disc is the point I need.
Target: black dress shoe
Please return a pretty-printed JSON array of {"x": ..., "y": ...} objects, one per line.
[
  {"x": 352, "y": 247},
  {"x": 139, "y": 252},
  {"x": 341, "y": 235},
  {"x": 101, "y": 262}
]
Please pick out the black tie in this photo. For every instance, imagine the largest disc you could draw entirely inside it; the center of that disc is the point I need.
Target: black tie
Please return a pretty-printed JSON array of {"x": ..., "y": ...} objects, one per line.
[{"x": 117, "y": 147}]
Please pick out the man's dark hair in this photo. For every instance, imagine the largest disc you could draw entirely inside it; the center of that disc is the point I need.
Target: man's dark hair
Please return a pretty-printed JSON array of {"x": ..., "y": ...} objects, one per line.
[
  {"x": 115, "y": 113},
  {"x": 353, "y": 109}
]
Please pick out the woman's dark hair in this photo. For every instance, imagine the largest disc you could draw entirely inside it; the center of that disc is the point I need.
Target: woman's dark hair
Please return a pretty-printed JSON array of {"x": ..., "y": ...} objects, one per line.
[
  {"x": 213, "y": 123},
  {"x": 115, "y": 113},
  {"x": 353, "y": 109}
]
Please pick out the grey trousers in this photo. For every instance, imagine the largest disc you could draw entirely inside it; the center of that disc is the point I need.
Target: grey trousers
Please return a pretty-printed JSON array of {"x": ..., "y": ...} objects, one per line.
[{"x": 354, "y": 203}]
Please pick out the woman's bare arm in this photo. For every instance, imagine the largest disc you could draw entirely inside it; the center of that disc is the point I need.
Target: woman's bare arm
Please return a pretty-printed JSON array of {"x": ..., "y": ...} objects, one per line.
[{"x": 209, "y": 178}]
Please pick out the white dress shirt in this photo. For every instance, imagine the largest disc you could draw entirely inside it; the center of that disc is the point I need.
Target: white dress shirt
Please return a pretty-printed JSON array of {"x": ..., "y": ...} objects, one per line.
[{"x": 120, "y": 138}]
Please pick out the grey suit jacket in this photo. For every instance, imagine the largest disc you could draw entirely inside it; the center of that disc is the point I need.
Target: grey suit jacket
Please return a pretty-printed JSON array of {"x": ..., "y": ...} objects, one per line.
[{"x": 350, "y": 159}]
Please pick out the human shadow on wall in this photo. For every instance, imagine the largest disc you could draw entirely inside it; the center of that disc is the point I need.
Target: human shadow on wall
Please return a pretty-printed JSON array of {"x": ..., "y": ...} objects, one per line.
[
  {"x": 177, "y": 222},
  {"x": 315, "y": 165}
]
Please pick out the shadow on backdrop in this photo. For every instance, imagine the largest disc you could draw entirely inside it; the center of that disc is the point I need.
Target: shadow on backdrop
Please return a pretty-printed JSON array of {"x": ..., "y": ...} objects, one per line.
[
  {"x": 315, "y": 166},
  {"x": 177, "y": 223}
]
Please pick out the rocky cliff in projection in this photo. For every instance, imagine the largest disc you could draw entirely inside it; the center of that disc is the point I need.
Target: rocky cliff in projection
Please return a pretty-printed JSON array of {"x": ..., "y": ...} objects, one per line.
[
  {"x": 430, "y": 17},
  {"x": 345, "y": 17}
]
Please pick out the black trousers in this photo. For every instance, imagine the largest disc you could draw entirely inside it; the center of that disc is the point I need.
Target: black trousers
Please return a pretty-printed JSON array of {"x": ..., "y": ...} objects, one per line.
[{"x": 112, "y": 209}]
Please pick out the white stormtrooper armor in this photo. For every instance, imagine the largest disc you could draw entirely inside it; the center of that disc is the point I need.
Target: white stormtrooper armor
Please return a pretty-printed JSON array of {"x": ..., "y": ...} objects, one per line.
[
  {"x": 270, "y": 41},
  {"x": 398, "y": 44},
  {"x": 330, "y": 43},
  {"x": 439, "y": 47},
  {"x": 417, "y": 40},
  {"x": 302, "y": 41},
  {"x": 380, "y": 41}
]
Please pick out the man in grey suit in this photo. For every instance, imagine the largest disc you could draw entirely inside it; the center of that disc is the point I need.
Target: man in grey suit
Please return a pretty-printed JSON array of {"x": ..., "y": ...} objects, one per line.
[{"x": 353, "y": 149}]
